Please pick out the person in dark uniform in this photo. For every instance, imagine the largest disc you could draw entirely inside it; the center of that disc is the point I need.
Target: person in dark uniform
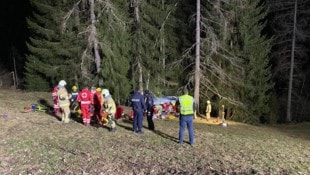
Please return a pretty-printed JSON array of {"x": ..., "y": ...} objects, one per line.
[
  {"x": 138, "y": 107},
  {"x": 149, "y": 101},
  {"x": 186, "y": 107}
]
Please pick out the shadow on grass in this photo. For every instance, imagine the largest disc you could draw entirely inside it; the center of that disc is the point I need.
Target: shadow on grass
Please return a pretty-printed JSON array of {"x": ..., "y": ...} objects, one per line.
[
  {"x": 49, "y": 108},
  {"x": 295, "y": 130},
  {"x": 166, "y": 136},
  {"x": 124, "y": 126},
  {"x": 50, "y": 111},
  {"x": 159, "y": 133}
]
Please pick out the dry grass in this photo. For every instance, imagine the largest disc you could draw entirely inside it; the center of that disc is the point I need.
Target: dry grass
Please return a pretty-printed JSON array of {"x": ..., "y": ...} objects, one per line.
[{"x": 37, "y": 143}]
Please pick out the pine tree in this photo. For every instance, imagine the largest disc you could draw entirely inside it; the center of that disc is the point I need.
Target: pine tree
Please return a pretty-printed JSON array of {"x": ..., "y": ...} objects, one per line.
[
  {"x": 255, "y": 47},
  {"x": 51, "y": 51},
  {"x": 153, "y": 44},
  {"x": 235, "y": 66},
  {"x": 114, "y": 42},
  {"x": 282, "y": 25},
  {"x": 221, "y": 67}
]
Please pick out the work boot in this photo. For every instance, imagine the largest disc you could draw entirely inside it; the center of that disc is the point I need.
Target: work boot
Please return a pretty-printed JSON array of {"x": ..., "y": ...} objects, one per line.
[
  {"x": 66, "y": 120},
  {"x": 62, "y": 118}
]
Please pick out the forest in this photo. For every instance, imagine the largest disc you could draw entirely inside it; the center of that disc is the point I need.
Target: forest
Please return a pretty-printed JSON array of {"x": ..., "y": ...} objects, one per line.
[{"x": 251, "y": 56}]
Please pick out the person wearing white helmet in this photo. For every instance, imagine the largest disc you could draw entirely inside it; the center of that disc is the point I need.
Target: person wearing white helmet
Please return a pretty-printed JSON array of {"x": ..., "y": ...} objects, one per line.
[
  {"x": 208, "y": 110},
  {"x": 64, "y": 102},
  {"x": 109, "y": 106},
  {"x": 62, "y": 83}
]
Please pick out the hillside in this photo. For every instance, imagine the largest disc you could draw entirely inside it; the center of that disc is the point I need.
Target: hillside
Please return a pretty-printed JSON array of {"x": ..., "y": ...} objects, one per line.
[{"x": 37, "y": 143}]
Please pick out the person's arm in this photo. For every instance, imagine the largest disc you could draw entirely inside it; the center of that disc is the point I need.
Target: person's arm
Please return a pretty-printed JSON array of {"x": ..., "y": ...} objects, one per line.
[
  {"x": 177, "y": 107},
  {"x": 194, "y": 106},
  {"x": 143, "y": 103}
]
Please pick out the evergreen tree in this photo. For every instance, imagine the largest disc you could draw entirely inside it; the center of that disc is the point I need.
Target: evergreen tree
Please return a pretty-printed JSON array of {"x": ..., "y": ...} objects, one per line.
[
  {"x": 221, "y": 67},
  {"x": 235, "y": 67},
  {"x": 256, "y": 92},
  {"x": 153, "y": 44},
  {"x": 50, "y": 49},
  {"x": 282, "y": 25},
  {"x": 114, "y": 42}
]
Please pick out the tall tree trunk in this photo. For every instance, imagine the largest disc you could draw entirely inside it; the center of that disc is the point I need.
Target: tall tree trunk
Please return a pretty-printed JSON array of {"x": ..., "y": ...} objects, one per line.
[
  {"x": 140, "y": 74},
  {"x": 137, "y": 18},
  {"x": 289, "y": 100},
  {"x": 94, "y": 37},
  {"x": 197, "y": 59},
  {"x": 15, "y": 75}
]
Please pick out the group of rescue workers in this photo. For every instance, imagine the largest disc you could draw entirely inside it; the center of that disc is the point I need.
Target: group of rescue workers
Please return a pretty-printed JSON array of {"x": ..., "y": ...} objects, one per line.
[{"x": 96, "y": 103}]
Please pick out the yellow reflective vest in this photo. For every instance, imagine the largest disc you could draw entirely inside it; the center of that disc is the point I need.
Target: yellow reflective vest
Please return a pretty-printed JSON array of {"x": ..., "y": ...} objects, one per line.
[{"x": 186, "y": 104}]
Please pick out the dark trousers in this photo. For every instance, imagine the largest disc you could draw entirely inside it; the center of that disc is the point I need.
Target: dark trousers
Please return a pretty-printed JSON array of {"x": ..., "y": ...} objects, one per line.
[
  {"x": 149, "y": 116},
  {"x": 188, "y": 121},
  {"x": 137, "y": 120}
]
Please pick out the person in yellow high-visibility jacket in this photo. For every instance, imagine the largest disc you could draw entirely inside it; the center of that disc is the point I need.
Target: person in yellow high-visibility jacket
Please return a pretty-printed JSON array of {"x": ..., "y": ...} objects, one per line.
[{"x": 186, "y": 108}]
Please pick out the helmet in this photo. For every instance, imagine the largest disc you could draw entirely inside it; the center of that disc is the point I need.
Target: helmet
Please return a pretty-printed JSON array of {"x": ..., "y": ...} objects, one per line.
[
  {"x": 105, "y": 92},
  {"x": 208, "y": 102},
  {"x": 98, "y": 89},
  {"x": 62, "y": 83},
  {"x": 74, "y": 87}
]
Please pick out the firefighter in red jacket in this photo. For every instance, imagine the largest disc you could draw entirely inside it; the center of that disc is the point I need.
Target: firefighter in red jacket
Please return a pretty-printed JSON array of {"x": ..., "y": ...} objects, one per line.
[
  {"x": 56, "y": 107},
  {"x": 85, "y": 99},
  {"x": 97, "y": 103}
]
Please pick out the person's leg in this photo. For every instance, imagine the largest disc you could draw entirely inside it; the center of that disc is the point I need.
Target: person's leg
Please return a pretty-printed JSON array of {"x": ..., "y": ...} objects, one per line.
[
  {"x": 140, "y": 122},
  {"x": 181, "y": 131},
  {"x": 87, "y": 114},
  {"x": 66, "y": 114},
  {"x": 190, "y": 128},
  {"x": 150, "y": 121},
  {"x": 84, "y": 109},
  {"x": 135, "y": 122}
]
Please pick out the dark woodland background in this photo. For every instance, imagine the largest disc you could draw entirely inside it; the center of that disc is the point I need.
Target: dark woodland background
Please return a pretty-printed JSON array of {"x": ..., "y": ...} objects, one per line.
[{"x": 250, "y": 51}]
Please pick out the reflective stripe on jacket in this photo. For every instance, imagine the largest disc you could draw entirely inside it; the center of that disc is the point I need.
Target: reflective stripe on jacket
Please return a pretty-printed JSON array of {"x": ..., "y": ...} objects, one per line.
[
  {"x": 63, "y": 97},
  {"x": 186, "y": 104}
]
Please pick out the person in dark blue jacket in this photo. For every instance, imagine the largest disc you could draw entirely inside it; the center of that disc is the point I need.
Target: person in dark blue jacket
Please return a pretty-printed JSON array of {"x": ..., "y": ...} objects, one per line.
[
  {"x": 138, "y": 107},
  {"x": 149, "y": 101}
]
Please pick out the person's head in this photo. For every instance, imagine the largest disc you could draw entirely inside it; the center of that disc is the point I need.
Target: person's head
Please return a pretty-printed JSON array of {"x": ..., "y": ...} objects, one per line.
[
  {"x": 105, "y": 92},
  {"x": 185, "y": 91},
  {"x": 62, "y": 83},
  {"x": 208, "y": 102},
  {"x": 74, "y": 88},
  {"x": 93, "y": 89},
  {"x": 147, "y": 92},
  {"x": 138, "y": 89},
  {"x": 98, "y": 89}
]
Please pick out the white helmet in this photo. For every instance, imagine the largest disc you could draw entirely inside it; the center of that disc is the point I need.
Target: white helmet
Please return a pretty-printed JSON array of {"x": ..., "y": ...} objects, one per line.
[
  {"x": 62, "y": 83},
  {"x": 208, "y": 101},
  {"x": 105, "y": 92}
]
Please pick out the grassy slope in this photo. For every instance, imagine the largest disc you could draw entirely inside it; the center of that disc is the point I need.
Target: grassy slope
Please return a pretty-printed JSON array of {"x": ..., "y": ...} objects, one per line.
[{"x": 36, "y": 143}]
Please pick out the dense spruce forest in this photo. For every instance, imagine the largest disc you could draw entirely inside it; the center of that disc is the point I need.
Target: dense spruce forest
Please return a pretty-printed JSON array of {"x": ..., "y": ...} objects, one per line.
[{"x": 251, "y": 56}]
